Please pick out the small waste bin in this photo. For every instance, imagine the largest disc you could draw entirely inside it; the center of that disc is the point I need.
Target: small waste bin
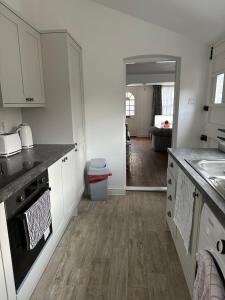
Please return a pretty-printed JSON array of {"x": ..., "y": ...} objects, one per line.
[{"x": 97, "y": 178}]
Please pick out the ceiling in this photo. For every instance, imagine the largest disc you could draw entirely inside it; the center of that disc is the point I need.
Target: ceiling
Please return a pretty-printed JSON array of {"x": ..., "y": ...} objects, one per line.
[
  {"x": 203, "y": 20},
  {"x": 151, "y": 68}
]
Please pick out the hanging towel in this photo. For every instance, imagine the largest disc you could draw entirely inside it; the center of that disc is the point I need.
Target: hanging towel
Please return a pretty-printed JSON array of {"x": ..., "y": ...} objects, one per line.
[
  {"x": 37, "y": 220},
  {"x": 183, "y": 212},
  {"x": 208, "y": 283}
]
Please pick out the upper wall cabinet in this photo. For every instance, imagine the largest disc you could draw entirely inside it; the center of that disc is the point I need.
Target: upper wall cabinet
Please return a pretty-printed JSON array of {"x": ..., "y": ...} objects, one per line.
[{"x": 21, "y": 76}]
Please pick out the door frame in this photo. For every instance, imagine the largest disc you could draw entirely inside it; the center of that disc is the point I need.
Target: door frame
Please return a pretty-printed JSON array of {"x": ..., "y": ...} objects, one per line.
[{"x": 146, "y": 59}]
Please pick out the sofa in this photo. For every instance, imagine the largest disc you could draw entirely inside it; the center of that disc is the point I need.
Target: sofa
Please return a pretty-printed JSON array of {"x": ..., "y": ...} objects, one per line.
[{"x": 161, "y": 138}]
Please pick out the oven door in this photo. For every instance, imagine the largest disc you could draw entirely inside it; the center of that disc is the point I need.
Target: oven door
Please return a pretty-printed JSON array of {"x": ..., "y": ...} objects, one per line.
[{"x": 23, "y": 259}]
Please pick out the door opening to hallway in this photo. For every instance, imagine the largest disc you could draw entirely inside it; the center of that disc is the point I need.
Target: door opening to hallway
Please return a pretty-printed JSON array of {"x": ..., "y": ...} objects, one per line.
[{"x": 150, "y": 103}]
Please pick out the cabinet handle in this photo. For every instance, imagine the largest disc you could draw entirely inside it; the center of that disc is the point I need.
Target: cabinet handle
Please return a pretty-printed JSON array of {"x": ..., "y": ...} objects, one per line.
[
  {"x": 195, "y": 195},
  {"x": 169, "y": 214},
  {"x": 169, "y": 181},
  {"x": 171, "y": 165},
  {"x": 29, "y": 99},
  {"x": 75, "y": 144},
  {"x": 76, "y": 150},
  {"x": 170, "y": 198}
]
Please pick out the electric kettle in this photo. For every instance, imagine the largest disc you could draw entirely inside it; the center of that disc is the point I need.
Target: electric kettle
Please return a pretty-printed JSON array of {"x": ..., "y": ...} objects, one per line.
[{"x": 25, "y": 136}]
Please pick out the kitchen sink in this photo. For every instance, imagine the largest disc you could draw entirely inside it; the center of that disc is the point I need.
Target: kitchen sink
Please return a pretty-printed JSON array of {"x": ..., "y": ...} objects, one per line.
[{"x": 213, "y": 171}]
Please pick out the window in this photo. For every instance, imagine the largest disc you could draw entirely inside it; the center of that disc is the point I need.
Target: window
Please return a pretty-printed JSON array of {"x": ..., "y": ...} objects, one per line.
[
  {"x": 167, "y": 100},
  {"x": 219, "y": 89},
  {"x": 130, "y": 104}
]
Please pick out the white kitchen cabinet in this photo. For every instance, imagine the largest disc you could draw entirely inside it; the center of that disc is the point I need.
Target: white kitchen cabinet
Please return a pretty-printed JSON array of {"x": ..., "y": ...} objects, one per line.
[
  {"x": 62, "y": 122},
  {"x": 6, "y": 277},
  {"x": 69, "y": 183},
  {"x": 21, "y": 77},
  {"x": 56, "y": 195},
  {"x": 77, "y": 105},
  {"x": 64, "y": 194},
  {"x": 3, "y": 288},
  {"x": 30, "y": 47},
  {"x": 10, "y": 60},
  {"x": 187, "y": 259},
  {"x": 170, "y": 203}
]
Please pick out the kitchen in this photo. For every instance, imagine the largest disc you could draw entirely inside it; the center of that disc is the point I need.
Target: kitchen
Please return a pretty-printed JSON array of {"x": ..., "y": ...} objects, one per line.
[{"x": 41, "y": 67}]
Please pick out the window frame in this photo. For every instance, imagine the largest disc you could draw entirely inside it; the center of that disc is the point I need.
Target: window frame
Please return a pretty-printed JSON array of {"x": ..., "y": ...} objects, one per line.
[
  {"x": 214, "y": 84},
  {"x": 172, "y": 104},
  {"x": 129, "y": 96}
]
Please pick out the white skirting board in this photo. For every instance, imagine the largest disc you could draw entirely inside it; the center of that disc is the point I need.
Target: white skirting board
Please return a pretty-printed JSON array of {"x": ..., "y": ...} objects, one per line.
[
  {"x": 146, "y": 188},
  {"x": 116, "y": 192},
  {"x": 122, "y": 192}
]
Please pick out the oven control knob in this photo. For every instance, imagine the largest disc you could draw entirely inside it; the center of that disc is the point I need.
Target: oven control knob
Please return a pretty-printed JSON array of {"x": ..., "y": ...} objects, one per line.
[
  {"x": 21, "y": 198},
  {"x": 221, "y": 246}
]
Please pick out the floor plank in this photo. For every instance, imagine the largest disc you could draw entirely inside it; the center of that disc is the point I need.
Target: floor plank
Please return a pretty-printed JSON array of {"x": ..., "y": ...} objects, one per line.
[
  {"x": 147, "y": 167},
  {"x": 120, "y": 249}
]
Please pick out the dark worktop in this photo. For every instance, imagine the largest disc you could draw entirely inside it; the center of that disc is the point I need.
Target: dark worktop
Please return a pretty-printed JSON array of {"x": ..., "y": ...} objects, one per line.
[
  {"x": 213, "y": 199},
  {"x": 45, "y": 154}
]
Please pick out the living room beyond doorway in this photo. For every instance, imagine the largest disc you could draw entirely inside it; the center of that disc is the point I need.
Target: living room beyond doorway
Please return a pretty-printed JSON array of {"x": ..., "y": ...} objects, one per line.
[{"x": 149, "y": 102}]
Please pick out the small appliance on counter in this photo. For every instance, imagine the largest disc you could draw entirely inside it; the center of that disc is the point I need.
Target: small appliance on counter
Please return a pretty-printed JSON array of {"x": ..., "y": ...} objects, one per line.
[
  {"x": 10, "y": 144},
  {"x": 25, "y": 136}
]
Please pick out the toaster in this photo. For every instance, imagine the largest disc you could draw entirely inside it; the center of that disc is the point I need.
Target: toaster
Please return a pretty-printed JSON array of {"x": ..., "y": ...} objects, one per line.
[{"x": 10, "y": 144}]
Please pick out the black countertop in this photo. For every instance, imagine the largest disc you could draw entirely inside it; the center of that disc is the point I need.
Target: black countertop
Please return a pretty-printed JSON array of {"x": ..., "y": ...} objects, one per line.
[
  {"x": 213, "y": 199},
  {"x": 45, "y": 155}
]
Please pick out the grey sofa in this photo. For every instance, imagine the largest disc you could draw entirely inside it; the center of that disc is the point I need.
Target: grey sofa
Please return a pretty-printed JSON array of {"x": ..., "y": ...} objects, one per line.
[{"x": 161, "y": 138}]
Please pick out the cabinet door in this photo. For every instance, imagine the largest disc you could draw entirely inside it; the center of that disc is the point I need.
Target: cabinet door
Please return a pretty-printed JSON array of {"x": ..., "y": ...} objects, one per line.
[
  {"x": 170, "y": 202},
  {"x": 188, "y": 259},
  {"x": 77, "y": 105},
  {"x": 3, "y": 289},
  {"x": 11, "y": 81},
  {"x": 56, "y": 195},
  {"x": 30, "y": 46},
  {"x": 70, "y": 198}
]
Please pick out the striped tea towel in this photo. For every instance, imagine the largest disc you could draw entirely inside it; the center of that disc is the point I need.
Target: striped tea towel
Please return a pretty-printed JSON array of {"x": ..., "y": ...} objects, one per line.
[
  {"x": 37, "y": 220},
  {"x": 208, "y": 283},
  {"x": 183, "y": 212}
]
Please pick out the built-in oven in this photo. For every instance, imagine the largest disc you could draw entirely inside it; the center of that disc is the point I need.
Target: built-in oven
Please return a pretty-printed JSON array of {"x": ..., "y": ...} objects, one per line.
[{"x": 22, "y": 257}]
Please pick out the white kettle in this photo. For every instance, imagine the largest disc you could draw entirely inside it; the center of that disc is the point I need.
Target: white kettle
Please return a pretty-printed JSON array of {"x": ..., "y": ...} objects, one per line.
[{"x": 25, "y": 136}]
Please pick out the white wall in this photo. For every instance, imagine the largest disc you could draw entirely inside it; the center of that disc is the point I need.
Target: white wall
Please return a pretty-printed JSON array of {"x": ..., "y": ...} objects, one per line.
[
  {"x": 107, "y": 37},
  {"x": 11, "y": 118},
  {"x": 139, "y": 124}
]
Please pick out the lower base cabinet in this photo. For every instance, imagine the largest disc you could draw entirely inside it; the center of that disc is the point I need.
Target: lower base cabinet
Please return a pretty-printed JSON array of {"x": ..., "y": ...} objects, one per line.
[
  {"x": 64, "y": 198},
  {"x": 187, "y": 260},
  {"x": 64, "y": 189},
  {"x": 3, "y": 289}
]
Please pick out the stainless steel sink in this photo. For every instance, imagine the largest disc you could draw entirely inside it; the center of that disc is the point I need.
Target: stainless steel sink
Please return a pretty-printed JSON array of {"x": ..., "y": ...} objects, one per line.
[{"x": 213, "y": 171}]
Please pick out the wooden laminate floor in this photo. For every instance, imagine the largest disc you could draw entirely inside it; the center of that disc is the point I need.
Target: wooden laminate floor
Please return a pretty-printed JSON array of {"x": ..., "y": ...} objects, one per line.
[
  {"x": 147, "y": 167},
  {"x": 116, "y": 250}
]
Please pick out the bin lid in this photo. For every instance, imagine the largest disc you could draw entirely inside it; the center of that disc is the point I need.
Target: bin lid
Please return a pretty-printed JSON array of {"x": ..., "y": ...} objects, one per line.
[{"x": 98, "y": 163}]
